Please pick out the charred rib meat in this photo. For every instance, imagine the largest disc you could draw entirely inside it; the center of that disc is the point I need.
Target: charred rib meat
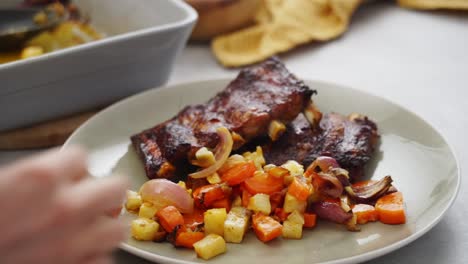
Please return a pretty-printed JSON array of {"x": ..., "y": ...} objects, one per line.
[
  {"x": 350, "y": 140},
  {"x": 257, "y": 97}
]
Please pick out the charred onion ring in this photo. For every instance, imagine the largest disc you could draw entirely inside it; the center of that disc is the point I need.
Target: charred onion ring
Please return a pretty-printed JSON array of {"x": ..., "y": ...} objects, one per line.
[{"x": 372, "y": 192}]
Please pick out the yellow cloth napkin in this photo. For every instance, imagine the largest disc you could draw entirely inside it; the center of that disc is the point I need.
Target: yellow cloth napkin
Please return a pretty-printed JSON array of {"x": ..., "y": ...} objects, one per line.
[
  {"x": 435, "y": 4},
  {"x": 283, "y": 25}
]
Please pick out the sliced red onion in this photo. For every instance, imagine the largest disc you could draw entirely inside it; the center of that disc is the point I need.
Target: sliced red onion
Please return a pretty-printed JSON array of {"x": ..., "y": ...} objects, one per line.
[
  {"x": 162, "y": 193},
  {"x": 331, "y": 211},
  {"x": 323, "y": 164},
  {"x": 222, "y": 152}
]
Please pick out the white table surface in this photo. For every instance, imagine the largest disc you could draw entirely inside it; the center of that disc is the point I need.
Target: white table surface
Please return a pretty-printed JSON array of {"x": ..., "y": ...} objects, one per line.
[{"x": 417, "y": 59}]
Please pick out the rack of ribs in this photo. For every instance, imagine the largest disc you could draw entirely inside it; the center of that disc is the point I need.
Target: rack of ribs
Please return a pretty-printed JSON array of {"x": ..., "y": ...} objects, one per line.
[
  {"x": 259, "y": 95},
  {"x": 350, "y": 140}
]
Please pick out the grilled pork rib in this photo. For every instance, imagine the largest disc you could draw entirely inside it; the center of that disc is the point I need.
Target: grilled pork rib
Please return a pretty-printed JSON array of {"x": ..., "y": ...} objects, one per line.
[
  {"x": 350, "y": 140},
  {"x": 258, "y": 96}
]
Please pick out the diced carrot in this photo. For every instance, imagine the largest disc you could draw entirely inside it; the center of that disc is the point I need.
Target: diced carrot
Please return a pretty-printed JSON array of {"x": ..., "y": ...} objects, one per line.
[
  {"x": 278, "y": 172},
  {"x": 194, "y": 219},
  {"x": 365, "y": 213},
  {"x": 206, "y": 195},
  {"x": 299, "y": 189},
  {"x": 187, "y": 239},
  {"x": 223, "y": 203},
  {"x": 266, "y": 228},
  {"x": 281, "y": 214},
  {"x": 169, "y": 218},
  {"x": 310, "y": 220},
  {"x": 390, "y": 209},
  {"x": 238, "y": 173},
  {"x": 263, "y": 183},
  {"x": 245, "y": 198}
]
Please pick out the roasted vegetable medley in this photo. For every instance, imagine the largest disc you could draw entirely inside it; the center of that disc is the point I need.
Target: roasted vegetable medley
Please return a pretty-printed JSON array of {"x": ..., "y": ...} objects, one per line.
[{"x": 281, "y": 200}]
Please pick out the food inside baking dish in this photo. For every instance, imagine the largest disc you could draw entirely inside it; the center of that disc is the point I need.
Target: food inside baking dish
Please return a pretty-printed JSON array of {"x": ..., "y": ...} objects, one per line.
[{"x": 74, "y": 30}]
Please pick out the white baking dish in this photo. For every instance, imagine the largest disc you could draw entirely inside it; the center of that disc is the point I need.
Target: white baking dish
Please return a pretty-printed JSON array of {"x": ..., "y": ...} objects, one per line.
[{"x": 143, "y": 39}]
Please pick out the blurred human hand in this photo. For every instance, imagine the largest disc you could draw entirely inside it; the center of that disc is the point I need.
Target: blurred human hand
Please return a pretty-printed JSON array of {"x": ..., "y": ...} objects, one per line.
[{"x": 52, "y": 213}]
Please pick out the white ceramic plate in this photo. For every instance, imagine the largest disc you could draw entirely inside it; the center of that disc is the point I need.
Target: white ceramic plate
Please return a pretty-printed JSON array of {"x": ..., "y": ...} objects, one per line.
[{"x": 421, "y": 163}]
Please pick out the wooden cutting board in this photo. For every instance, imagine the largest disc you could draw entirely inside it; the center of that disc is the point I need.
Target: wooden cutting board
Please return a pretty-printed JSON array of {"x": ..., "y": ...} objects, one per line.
[{"x": 48, "y": 134}]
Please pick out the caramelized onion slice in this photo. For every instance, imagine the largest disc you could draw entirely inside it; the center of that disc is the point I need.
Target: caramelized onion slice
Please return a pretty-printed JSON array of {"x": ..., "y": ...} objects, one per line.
[
  {"x": 222, "y": 152},
  {"x": 372, "y": 192},
  {"x": 342, "y": 175}
]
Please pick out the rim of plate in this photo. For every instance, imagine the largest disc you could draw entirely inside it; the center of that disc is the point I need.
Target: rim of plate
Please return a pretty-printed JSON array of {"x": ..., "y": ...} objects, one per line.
[{"x": 353, "y": 259}]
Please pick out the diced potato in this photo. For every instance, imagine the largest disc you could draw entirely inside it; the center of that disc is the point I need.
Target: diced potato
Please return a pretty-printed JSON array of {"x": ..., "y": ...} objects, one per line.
[
  {"x": 296, "y": 217},
  {"x": 294, "y": 168},
  {"x": 40, "y": 18},
  {"x": 276, "y": 129},
  {"x": 236, "y": 224},
  {"x": 144, "y": 229},
  {"x": 31, "y": 51},
  {"x": 312, "y": 113},
  {"x": 238, "y": 140},
  {"x": 210, "y": 246},
  {"x": 133, "y": 201},
  {"x": 182, "y": 184},
  {"x": 291, "y": 203},
  {"x": 147, "y": 210},
  {"x": 213, "y": 178},
  {"x": 256, "y": 157},
  {"x": 292, "y": 230},
  {"x": 214, "y": 221},
  {"x": 237, "y": 201},
  {"x": 260, "y": 203},
  {"x": 204, "y": 158}
]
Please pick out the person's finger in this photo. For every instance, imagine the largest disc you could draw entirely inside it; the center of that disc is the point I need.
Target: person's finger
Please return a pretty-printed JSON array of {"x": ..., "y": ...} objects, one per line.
[
  {"x": 90, "y": 198},
  {"x": 28, "y": 188},
  {"x": 72, "y": 206},
  {"x": 43, "y": 172}
]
